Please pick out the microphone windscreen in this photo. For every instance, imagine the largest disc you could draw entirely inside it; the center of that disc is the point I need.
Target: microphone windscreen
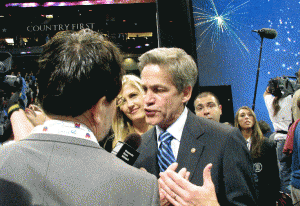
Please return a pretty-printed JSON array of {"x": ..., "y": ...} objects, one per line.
[
  {"x": 134, "y": 140},
  {"x": 268, "y": 33}
]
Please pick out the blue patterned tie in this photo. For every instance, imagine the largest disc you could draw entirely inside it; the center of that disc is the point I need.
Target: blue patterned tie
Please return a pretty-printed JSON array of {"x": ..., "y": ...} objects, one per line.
[{"x": 165, "y": 154}]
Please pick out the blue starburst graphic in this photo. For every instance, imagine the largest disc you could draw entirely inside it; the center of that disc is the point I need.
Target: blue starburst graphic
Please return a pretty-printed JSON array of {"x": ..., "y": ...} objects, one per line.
[{"x": 221, "y": 27}]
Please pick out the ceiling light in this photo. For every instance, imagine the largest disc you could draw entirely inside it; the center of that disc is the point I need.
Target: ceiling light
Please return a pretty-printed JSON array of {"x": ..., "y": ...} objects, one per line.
[{"x": 9, "y": 40}]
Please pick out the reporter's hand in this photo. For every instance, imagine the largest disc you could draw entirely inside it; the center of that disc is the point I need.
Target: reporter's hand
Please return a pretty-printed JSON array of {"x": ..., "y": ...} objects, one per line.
[{"x": 180, "y": 191}]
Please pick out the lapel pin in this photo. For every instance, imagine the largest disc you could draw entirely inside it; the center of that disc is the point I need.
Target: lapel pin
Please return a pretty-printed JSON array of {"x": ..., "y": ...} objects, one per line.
[{"x": 193, "y": 150}]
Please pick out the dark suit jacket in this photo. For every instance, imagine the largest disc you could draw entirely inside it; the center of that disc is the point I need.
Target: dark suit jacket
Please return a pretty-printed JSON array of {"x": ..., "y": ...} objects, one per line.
[
  {"x": 267, "y": 172},
  {"x": 47, "y": 169},
  {"x": 215, "y": 143}
]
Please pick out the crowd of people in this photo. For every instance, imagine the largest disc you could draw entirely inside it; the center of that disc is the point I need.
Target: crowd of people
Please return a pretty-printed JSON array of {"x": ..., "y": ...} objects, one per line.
[{"x": 62, "y": 141}]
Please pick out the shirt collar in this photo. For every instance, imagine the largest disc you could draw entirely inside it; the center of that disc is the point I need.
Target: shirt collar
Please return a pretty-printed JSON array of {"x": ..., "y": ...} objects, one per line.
[
  {"x": 176, "y": 128},
  {"x": 249, "y": 141},
  {"x": 67, "y": 128}
]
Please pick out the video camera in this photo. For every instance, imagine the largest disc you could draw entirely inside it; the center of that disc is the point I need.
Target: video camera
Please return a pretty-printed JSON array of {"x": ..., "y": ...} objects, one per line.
[
  {"x": 283, "y": 86},
  {"x": 8, "y": 84},
  {"x": 6, "y": 81}
]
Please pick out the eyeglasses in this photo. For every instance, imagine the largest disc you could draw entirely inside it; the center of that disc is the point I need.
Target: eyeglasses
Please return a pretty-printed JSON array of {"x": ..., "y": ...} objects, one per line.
[{"x": 120, "y": 101}]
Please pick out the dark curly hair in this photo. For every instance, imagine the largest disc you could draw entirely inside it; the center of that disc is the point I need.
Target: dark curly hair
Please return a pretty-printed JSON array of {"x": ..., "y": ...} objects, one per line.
[{"x": 77, "y": 69}]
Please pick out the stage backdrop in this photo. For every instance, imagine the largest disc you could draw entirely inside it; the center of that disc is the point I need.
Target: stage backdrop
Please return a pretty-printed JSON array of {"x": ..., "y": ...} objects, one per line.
[{"x": 228, "y": 50}]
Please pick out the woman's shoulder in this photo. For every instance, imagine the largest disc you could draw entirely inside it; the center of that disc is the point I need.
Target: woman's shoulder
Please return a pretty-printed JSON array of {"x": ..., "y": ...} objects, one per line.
[
  {"x": 268, "y": 143},
  {"x": 267, "y": 151}
]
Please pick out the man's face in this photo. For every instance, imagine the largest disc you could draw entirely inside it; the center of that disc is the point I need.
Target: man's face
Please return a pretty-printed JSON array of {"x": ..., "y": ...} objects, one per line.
[
  {"x": 103, "y": 115},
  {"x": 163, "y": 104},
  {"x": 35, "y": 115},
  {"x": 208, "y": 108},
  {"x": 111, "y": 111}
]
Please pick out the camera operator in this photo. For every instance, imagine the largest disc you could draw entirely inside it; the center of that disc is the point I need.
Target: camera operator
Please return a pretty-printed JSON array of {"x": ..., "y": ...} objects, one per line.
[
  {"x": 296, "y": 96},
  {"x": 9, "y": 84},
  {"x": 15, "y": 97},
  {"x": 31, "y": 116},
  {"x": 5, "y": 126},
  {"x": 279, "y": 105}
]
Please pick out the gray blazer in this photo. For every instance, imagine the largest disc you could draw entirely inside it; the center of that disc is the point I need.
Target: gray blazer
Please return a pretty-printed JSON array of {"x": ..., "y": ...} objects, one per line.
[{"x": 62, "y": 170}]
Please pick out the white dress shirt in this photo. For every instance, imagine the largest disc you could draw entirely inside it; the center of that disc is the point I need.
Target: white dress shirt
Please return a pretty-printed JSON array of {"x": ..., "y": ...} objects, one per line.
[
  {"x": 67, "y": 128},
  {"x": 249, "y": 141},
  {"x": 283, "y": 119},
  {"x": 175, "y": 130}
]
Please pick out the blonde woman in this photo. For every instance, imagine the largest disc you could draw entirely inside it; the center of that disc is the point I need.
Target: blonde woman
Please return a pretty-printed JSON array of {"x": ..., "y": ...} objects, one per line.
[{"x": 130, "y": 114}]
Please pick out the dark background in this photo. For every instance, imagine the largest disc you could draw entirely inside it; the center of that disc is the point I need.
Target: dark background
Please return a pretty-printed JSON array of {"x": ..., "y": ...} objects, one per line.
[{"x": 170, "y": 21}]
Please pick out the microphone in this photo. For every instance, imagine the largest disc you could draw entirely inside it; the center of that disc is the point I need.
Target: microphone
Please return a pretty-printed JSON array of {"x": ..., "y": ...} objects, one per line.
[
  {"x": 126, "y": 150},
  {"x": 267, "y": 33}
]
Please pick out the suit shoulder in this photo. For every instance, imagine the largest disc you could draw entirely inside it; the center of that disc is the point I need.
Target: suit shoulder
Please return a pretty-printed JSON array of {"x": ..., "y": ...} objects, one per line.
[
  {"x": 211, "y": 126},
  {"x": 268, "y": 144},
  {"x": 215, "y": 131},
  {"x": 11, "y": 149},
  {"x": 148, "y": 133}
]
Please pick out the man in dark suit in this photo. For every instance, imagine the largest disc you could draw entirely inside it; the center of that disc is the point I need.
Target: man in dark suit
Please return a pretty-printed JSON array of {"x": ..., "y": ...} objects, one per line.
[
  {"x": 168, "y": 76},
  {"x": 61, "y": 162}
]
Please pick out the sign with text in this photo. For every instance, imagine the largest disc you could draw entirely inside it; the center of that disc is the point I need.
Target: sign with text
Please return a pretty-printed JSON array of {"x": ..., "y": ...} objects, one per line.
[{"x": 59, "y": 27}]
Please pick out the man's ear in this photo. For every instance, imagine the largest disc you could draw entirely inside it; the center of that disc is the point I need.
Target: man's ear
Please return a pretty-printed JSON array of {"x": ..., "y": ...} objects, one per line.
[
  {"x": 97, "y": 110},
  {"x": 187, "y": 93},
  {"x": 220, "y": 106}
]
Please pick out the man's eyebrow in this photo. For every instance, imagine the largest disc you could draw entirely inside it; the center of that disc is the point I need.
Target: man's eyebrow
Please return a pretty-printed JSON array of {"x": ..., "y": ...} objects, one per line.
[
  {"x": 154, "y": 86},
  {"x": 200, "y": 104},
  {"x": 207, "y": 103}
]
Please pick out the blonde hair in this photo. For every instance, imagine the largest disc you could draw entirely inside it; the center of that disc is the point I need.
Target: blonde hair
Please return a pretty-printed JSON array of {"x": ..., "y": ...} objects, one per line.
[{"x": 122, "y": 125}]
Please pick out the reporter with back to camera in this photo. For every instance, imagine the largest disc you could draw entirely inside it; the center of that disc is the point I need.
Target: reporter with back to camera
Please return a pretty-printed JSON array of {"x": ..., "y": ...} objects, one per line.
[
  {"x": 61, "y": 162},
  {"x": 279, "y": 107}
]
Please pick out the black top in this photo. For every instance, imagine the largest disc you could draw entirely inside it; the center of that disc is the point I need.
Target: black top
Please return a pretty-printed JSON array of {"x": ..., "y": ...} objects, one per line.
[
  {"x": 106, "y": 142},
  {"x": 267, "y": 174}
]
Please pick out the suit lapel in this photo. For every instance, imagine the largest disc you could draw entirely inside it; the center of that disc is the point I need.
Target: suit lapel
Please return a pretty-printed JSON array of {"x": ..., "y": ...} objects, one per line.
[
  {"x": 150, "y": 150},
  {"x": 191, "y": 147}
]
